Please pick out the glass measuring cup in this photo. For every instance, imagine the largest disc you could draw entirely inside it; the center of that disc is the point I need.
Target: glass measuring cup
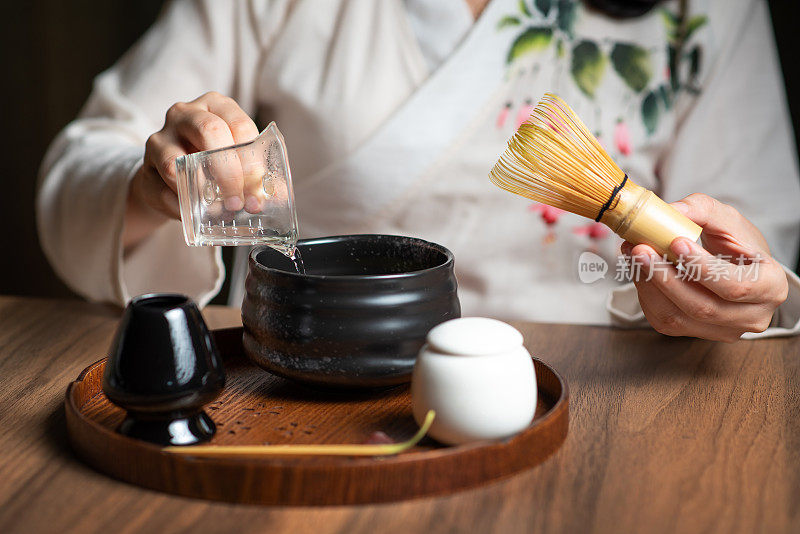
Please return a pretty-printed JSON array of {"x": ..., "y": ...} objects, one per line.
[{"x": 239, "y": 195}]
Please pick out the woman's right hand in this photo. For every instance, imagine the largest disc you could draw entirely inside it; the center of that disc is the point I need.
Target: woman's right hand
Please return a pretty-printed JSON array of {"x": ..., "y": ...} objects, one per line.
[{"x": 208, "y": 122}]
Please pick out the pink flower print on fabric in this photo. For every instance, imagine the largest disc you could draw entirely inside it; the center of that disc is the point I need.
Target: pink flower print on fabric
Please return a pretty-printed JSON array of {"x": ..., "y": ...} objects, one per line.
[
  {"x": 622, "y": 138},
  {"x": 594, "y": 231},
  {"x": 524, "y": 112},
  {"x": 503, "y": 116},
  {"x": 549, "y": 214}
]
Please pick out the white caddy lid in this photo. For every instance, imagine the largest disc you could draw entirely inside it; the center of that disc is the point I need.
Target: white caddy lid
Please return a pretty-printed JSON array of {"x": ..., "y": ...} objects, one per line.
[{"x": 474, "y": 336}]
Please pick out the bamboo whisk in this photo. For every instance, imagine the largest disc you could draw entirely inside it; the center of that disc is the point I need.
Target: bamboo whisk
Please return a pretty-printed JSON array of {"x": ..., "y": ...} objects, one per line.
[{"x": 554, "y": 159}]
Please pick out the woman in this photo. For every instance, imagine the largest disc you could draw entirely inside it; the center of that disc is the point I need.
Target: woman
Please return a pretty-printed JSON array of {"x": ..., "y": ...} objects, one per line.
[{"x": 395, "y": 111}]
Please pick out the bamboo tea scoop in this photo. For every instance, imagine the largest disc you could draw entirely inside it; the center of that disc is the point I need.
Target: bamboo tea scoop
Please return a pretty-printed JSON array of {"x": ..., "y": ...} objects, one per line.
[{"x": 304, "y": 450}]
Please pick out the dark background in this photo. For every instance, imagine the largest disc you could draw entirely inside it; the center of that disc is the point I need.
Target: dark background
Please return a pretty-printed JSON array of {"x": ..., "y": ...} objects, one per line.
[{"x": 51, "y": 52}]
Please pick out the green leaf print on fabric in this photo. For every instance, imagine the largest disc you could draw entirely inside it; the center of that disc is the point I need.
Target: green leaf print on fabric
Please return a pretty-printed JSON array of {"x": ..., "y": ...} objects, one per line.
[
  {"x": 695, "y": 23},
  {"x": 672, "y": 61},
  {"x": 633, "y": 64},
  {"x": 549, "y": 25},
  {"x": 531, "y": 40},
  {"x": 671, "y": 23},
  {"x": 694, "y": 61},
  {"x": 650, "y": 112},
  {"x": 665, "y": 94},
  {"x": 680, "y": 28},
  {"x": 588, "y": 66},
  {"x": 543, "y": 6},
  {"x": 507, "y": 21},
  {"x": 567, "y": 14}
]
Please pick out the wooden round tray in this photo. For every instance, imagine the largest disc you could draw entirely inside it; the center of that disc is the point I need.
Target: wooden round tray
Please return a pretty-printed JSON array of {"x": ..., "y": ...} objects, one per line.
[{"x": 257, "y": 408}]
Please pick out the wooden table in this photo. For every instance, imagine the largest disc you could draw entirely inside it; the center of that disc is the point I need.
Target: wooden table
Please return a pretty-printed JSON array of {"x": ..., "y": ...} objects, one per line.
[{"x": 666, "y": 435}]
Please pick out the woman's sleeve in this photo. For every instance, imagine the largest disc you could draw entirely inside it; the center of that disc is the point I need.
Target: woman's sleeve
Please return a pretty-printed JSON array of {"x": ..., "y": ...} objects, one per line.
[
  {"x": 193, "y": 48},
  {"x": 735, "y": 144}
]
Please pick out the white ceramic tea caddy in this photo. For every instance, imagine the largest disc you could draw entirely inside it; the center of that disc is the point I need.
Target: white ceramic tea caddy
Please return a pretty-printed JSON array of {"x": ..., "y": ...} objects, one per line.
[{"x": 477, "y": 376}]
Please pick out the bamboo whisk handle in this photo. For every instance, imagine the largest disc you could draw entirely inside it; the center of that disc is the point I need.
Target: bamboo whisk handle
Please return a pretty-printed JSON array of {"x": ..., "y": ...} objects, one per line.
[{"x": 641, "y": 217}]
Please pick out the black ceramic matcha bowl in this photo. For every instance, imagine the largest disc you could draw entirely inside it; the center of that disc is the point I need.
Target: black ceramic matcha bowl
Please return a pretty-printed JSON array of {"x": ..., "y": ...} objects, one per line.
[{"x": 359, "y": 315}]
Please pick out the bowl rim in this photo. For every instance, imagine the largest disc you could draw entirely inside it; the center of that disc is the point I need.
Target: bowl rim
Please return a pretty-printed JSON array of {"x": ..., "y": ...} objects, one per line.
[{"x": 447, "y": 264}]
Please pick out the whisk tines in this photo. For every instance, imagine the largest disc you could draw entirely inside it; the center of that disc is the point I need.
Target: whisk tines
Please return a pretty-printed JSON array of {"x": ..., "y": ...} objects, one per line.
[{"x": 553, "y": 158}]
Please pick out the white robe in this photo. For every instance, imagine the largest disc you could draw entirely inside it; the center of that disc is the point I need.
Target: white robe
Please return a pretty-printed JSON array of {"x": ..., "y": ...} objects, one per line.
[{"x": 394, "y": 112}]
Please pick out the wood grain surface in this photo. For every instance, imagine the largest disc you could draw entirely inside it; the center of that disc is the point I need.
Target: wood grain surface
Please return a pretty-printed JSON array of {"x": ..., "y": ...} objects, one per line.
[{"x": 666, "y": 435}]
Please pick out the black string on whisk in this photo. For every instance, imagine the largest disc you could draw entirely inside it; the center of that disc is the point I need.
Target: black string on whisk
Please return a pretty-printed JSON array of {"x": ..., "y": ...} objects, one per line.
[{"x": 614, "y": 193}]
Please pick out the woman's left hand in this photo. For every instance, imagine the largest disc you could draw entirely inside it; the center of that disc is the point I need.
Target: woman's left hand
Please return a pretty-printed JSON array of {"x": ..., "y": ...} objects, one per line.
[{"x": 730, "y": 285}]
